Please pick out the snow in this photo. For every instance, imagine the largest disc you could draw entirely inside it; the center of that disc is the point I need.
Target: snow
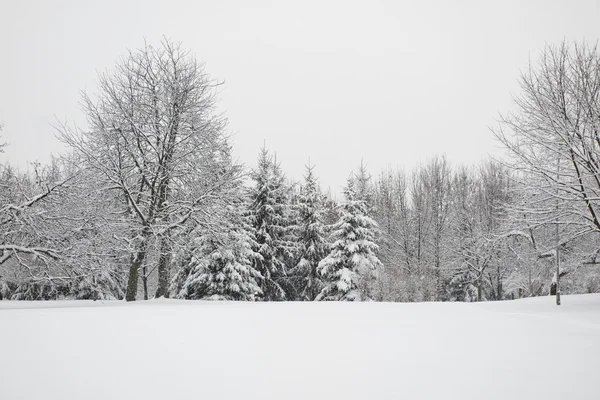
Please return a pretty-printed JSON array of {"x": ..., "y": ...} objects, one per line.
[{"x": 175, "y": 349}]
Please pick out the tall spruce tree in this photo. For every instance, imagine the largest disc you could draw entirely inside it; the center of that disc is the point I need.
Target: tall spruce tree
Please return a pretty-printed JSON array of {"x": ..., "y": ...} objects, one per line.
[
  {"x": 286, "y": 207},
  {"x": 268, "y": 216},
  {"x": 351, "y": 260},
  {"x": 311, "y": 238}
]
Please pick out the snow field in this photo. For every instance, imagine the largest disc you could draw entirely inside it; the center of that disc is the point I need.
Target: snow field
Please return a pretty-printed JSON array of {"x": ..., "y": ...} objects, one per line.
[{"x": 171, "y": 349}]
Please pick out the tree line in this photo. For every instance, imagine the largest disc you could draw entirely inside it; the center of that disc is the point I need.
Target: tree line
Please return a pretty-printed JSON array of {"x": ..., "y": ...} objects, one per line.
[{"x": 149, "y": 202}]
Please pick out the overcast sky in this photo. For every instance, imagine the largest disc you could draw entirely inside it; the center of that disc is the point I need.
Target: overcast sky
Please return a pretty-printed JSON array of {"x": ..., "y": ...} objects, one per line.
[{"x": 392, "y": 82}]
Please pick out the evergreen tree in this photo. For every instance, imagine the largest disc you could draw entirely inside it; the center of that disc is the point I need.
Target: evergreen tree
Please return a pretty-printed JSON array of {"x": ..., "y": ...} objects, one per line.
[
  {"x": 223, "y": 266},
  {"x": 351, "y": 260},
  {"x": 269, "y": 220},
  {"x": 290, "y": 249},
  {"x": 287, "y": 209},
  {"x": 311, "y": 241}
]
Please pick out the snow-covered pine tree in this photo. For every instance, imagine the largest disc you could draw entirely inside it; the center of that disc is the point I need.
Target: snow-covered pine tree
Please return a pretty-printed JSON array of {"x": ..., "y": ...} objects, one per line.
[
  {"x": 286, "y": 207},
  {"x": 364, "y": 189},
  {"x": 351, "y": 260},
  {"x": 312, "y": 245},
  {"x": 222, "y": 267},
  {"x": 290, "y": 245},
  {"x": 268, "y": 216}
]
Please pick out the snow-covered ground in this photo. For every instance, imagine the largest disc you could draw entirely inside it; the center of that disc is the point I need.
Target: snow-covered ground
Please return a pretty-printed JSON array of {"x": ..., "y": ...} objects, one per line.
[{"x": 167, "y": 349}]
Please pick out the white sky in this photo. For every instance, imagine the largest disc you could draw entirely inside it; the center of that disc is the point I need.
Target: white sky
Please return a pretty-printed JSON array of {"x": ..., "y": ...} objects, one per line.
[{"x": 392, "y": 82}]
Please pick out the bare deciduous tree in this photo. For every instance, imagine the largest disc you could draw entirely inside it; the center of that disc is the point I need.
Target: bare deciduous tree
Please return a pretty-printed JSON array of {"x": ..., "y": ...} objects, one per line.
[
  {"x": 155, "y": 139},
  {"x": 553, "y": 136},
  {"x": 554, "y": 140},
  {"x": 32, "y": 239}
]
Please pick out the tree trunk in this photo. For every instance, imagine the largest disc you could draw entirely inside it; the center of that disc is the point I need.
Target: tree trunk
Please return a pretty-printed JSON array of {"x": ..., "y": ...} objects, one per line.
[
  {"x": 500, "y": 288},
  {"x": 439, "y": 287},
  {"x": 134, "y": 270},
  {"x": 164, "y": 268},
  {"x": 145, "y": 281}
]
